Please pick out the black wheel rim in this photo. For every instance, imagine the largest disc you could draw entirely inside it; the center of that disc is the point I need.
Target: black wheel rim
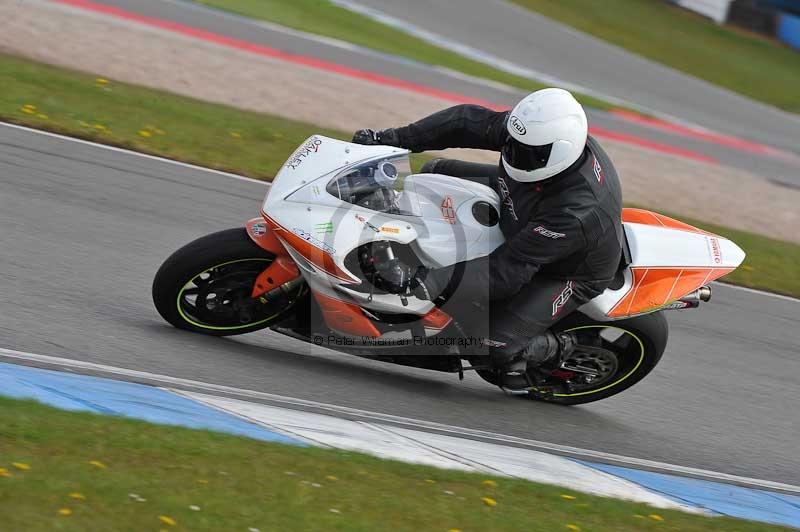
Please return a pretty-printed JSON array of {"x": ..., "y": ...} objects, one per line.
[{"x": 219, "y": 298}]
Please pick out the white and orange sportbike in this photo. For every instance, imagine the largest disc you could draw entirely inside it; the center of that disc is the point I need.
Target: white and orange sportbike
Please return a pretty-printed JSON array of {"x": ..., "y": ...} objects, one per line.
[{"x": 311, "y": 267}]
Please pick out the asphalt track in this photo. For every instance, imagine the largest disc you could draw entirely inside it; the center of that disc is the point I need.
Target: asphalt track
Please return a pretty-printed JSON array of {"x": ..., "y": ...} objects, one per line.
[
  {"x": 783, "y": 169},
  {"x": 526, "y": 38},
  {"x": 84, "y": 228}
]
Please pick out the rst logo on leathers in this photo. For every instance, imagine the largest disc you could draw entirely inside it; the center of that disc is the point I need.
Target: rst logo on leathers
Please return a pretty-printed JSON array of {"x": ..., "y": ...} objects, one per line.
[
  {"x": 548, "y": 233},
  {"x": 517, "y": 124},
  {"x": 598, "y": 170},
  {"x": 562, "y": 298},
  {"x": 303, "y": 152}
]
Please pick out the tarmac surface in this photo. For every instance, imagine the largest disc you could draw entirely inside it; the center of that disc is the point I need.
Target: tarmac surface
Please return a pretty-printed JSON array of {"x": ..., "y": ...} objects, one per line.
[
  {"x": 691, "y": 99},
  {"x": 84, "y": 228},
  {"x": 524, "y": 37}
]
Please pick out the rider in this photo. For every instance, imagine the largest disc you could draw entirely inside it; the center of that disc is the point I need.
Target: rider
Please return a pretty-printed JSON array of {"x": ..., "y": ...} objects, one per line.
[{"x": 560, "y": 214}]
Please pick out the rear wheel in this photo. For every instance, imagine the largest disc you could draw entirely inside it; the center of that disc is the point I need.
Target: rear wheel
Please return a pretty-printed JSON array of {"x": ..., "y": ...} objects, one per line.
[
  {"x": 206, "y": 286},
  {"x": 609, "y": 357}
]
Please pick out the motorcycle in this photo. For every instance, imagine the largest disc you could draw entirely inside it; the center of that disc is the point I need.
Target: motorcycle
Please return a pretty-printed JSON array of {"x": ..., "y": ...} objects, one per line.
[{"x": 343, "y": 224}]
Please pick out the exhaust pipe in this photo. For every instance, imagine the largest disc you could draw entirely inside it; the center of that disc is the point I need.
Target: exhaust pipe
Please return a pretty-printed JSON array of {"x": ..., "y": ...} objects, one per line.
[
  {"x": 692, "y": 300},
  {"x": 701, "y": 294}
]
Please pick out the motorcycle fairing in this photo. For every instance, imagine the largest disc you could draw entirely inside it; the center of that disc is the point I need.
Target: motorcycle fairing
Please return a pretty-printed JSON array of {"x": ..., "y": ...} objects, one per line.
[{"x": 669, "y": 259}]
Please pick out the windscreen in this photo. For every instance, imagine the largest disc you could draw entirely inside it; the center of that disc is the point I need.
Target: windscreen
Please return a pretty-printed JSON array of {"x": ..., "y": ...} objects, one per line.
[{"x": 377, "y": 186}]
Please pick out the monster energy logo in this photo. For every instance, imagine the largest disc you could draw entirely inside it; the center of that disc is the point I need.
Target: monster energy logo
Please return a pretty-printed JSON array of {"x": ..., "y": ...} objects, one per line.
[{"x": 326, "y": 227}]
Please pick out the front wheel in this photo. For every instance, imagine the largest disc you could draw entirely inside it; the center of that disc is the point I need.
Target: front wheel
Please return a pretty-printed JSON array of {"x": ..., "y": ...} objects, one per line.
[{"x": 206, "y": 286}]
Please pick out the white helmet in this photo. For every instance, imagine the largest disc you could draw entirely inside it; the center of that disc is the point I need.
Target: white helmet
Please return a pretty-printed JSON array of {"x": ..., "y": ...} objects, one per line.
[{"x": 547, "y": 133}]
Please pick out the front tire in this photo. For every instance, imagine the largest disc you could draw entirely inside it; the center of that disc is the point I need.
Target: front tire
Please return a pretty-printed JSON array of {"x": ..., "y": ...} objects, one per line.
[{"x": 206, "y": 286}]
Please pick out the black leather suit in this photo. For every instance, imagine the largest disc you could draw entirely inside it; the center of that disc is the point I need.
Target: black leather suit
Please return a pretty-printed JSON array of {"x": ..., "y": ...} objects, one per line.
[{"x": 563, "y": 234}]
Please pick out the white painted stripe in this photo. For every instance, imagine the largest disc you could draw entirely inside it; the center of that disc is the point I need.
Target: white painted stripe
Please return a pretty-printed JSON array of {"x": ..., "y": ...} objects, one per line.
[
  {"x": 588, "y": 454},
  {"x": 437, "y": 450},
  {"x": 132, "y": 153}
]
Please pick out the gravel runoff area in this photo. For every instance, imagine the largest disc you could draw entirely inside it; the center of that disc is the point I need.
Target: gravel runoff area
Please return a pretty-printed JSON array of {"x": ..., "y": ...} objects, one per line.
[{"x": 129, "y": 52}]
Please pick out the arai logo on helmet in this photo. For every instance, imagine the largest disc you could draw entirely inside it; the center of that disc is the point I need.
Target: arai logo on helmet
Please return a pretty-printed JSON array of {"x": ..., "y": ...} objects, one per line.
[{"x": 517, "y": 124}]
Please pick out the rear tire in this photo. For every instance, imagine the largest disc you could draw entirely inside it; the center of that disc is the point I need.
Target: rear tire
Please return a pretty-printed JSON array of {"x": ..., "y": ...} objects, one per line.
[
  {"x": 646, "y": 340},
  {"x": 205, "y": 286}
]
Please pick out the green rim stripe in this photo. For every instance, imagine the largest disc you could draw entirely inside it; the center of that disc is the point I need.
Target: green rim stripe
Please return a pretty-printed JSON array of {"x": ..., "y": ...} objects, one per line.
[
  {"x": 606, "y": 387},
  {"x": 212, "y": 327}
]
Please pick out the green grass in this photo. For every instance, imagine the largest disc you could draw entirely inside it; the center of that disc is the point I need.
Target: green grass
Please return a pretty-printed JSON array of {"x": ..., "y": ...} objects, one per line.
[
  {"x": 239, "y": 483},
  {"x": 248, "y": 143},
  {"x": 324, "y": 18},
  {"x": 746, "y": 63}
]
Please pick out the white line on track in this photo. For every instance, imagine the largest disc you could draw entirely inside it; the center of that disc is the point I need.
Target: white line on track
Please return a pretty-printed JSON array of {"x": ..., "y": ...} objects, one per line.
[
  {"x": 251, "y": 180},
  {"x": 130, "y": 152},
  {"x": 301, "y": 404}
]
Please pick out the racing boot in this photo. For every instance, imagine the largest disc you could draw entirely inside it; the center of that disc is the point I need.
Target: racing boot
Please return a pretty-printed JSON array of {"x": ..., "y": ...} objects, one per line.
[{"x": 547, "y": 351}]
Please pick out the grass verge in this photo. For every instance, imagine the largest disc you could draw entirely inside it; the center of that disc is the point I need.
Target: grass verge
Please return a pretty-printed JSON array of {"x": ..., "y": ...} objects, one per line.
[
  {"x": 324, "y": 18},
  {"x": 77, "y": 471},
  {"x": 248, "y": 143},
  {"x": 749, "y": 64}
]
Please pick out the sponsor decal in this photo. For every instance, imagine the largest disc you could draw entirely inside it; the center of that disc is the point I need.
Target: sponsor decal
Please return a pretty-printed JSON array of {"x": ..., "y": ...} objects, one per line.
[
  {"x": 548, "y": 233},
  {"x": 448, "y": 213},
  {"x": 506, "y": 197},
  {"x": 258, "y": 229},
  {"x": 677, "y": 305},
  {"x": 303, "y": 152},
  {"x": 562, "y": 298},
  {"x": 598, "y": 170},
  {"x": 308, "y": 237},
  {"x": 517, "y": 124},
  {"x": 365, "y": 222},
  {"x": 715, "y": 249},
  {"x": 386, "y": 229},
  {"x": 326, "y": 227}
]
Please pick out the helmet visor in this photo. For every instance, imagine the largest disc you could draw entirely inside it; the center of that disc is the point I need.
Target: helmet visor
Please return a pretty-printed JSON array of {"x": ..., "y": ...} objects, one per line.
[{"x": 525, "y": 157}]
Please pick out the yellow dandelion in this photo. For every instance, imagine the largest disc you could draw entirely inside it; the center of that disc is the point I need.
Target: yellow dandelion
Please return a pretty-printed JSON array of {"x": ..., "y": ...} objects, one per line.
[
  {"x": 4, "y": 472},
  {"x": 568, "y": 497},
  {"x": 29, "y": 106},
  {"x": 64, "y": 511},
  {"x": 490, "y": 483},
  {"x": 43, "y": 117},
  {"x": 100, "y": 127},
  {"x": 167, "y": 520},
  {"x": 21, "y": 466},
  {"x": 638, "y": 516},
  {"x": 454, "y": 530},
  {"x": 101, "y": 81},
  {"x": 331, "y": 477},
  {"x": 28, "y": 110},
  {"x": 98, "y": 464},
  {"x": 77, "y": 496},
  {"x": 573, "y": 527},
  {"x": 488, "y": 501},
  {"x": 202, "y": 481},
  {"x": 430, "y": 481},
  {"x": 84, "y": 123},
  {"x": 655, "y": 517},
  {"x": 144, "y": 133},
  {"x": 236, "y": 135}
]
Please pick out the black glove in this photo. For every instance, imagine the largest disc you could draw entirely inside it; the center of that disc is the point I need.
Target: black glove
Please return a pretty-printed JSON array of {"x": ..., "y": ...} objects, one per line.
[{"x": 370, "y": 137}]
